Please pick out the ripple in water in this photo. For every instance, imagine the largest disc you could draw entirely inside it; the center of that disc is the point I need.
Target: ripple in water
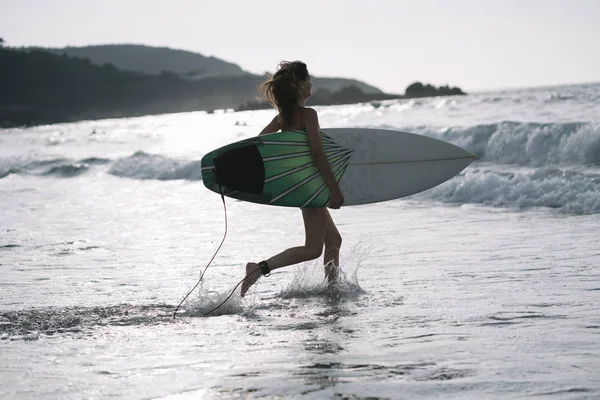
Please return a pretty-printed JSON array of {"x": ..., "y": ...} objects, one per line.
[{"x": 29, "y": 324}]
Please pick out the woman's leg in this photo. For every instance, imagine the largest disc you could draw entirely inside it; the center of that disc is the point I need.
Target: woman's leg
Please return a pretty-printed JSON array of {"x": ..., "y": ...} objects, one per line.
[
  {"x": 315, "y": 225},
  {"x": 333, "y": 242}
]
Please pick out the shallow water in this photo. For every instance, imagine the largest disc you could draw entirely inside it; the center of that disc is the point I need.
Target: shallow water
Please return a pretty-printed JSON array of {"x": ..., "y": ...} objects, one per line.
[{"x": 484, "y": 287}]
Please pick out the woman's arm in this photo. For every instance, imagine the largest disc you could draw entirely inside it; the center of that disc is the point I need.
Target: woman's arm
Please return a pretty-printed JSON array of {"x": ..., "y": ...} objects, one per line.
[
  {"x": 320, "y": 159},
  {"x": 273, "y": 126}
]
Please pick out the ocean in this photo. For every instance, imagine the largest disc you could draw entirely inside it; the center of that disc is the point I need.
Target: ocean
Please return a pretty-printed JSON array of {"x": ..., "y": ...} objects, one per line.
[{"x": 486, "y": 286}]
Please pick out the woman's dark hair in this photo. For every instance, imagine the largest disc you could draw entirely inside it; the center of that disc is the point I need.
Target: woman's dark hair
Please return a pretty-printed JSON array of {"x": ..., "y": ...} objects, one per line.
[{"x": 284, "y": 89}]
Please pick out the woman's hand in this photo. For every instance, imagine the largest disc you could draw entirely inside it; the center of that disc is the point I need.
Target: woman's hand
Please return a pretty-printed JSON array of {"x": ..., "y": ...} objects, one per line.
[{"x": 336, "y": 200}]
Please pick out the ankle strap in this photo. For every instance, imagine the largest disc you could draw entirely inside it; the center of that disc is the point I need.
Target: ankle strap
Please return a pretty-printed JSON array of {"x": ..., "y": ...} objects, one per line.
[{"x": 264, "y": 267}]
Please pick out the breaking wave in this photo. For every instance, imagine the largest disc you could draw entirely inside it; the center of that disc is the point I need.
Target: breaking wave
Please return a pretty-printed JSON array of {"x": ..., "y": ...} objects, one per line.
[
  {"x": 142, "y": 165},
  {"x": 570, "y": 191},
  {"x": 526, "y": 143}
]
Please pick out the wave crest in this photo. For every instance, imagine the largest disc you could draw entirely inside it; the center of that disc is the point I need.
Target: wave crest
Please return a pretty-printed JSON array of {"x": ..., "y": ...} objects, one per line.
[
  {"x": 527, "y": 143},
  {"x": 569, "y": 191},
  {"x": 142, "y": 165}
]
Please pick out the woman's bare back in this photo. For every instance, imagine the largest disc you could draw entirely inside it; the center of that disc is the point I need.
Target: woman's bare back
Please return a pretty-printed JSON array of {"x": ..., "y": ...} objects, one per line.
[{"x": 297, "y": 122}]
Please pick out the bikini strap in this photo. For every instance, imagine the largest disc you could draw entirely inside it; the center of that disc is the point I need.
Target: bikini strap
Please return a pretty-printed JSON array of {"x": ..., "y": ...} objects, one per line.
[{"x": 301, "y": 116}]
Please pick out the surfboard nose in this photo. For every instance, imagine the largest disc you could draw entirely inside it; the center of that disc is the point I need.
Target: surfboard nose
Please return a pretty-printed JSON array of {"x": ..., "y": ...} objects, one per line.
[{"x": 241, "y": 169}]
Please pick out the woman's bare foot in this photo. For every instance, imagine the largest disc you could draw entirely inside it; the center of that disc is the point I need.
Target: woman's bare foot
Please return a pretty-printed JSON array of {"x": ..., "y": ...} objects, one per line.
[{"x": 253, "y": 273}]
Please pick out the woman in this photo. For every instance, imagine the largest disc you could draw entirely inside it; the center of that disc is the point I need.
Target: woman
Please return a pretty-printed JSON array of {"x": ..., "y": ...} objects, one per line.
[{"x": 286, "y": 91}]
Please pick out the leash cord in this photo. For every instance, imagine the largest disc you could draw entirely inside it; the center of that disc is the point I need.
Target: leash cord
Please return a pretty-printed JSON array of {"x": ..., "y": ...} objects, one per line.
[
  {"x": 230, "y": 294},
  {"x": 211, "y": 260}
]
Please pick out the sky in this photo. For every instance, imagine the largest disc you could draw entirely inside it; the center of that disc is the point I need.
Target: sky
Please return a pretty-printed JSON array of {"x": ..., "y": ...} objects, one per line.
[{"x": 474, "y": 44}]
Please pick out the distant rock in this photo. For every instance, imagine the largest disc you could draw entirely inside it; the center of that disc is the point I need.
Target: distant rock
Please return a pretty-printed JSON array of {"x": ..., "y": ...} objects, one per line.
[{"x": 417, "y": 89}]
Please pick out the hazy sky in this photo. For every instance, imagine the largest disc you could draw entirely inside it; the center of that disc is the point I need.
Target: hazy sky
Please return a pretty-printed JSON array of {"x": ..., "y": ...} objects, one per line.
[{"x": 474, "y": 44}]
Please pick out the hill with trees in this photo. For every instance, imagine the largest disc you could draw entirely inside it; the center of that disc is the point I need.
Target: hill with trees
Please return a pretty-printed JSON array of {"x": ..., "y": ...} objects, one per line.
[
  {"x": 152, "y": 60},
  {"x": 186, "y": 64},
  {"x": 40, "y": 87}
]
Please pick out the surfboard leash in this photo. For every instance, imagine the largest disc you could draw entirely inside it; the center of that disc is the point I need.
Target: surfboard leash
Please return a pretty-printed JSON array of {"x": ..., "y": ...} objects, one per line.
[
  {"x": 230, "y": 294},
  {"x": 211, "y": 260}
]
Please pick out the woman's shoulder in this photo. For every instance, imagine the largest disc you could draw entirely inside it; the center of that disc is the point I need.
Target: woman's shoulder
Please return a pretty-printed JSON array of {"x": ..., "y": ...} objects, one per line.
[{"x": 309, "y": 112}]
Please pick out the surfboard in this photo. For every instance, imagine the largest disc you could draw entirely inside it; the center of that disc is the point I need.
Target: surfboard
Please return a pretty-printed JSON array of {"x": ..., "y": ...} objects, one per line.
[{"x": 371, "y": 165}]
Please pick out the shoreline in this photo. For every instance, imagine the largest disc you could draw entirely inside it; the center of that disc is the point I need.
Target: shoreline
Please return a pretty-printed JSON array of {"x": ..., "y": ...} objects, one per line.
[{"x": 31, "y": 118}]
